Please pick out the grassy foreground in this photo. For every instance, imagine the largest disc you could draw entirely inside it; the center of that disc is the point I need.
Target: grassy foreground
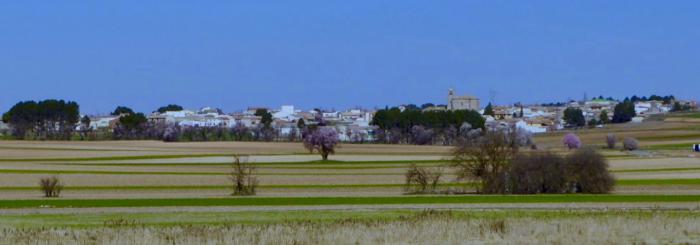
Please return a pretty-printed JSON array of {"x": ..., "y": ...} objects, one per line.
[
  {"x": 87, "y": 220},
  {"x": 359, "y": 227},
  {"x": 289, "y": 201}
]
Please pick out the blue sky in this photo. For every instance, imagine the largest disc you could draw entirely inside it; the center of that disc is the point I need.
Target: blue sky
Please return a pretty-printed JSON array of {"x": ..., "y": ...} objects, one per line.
[{"x": 340, "y": 54}]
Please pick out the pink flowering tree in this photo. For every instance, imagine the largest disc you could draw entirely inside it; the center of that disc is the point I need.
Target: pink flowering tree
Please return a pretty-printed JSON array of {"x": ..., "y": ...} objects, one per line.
[
  {"x": 571, "y": 141},
  {"x": 323, "y": 139}
]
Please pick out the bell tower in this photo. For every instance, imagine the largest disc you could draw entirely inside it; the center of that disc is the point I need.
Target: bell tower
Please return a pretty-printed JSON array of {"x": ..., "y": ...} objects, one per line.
[{"x": 450, "y": 95}]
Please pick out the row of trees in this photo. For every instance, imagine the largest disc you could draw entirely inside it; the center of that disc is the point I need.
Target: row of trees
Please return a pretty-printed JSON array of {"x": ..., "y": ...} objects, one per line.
[
  {"x": 667, "y": 99},
  {"x": 423, "y": 127},
  {"x": 47, "y": 119},
  {"x": 623, "y": 112}
]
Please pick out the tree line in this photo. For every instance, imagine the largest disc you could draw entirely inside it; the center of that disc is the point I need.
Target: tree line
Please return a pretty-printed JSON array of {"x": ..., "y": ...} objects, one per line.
[
  {"x": 47, "y": 119},
  {"x": 416, "y": 126}
]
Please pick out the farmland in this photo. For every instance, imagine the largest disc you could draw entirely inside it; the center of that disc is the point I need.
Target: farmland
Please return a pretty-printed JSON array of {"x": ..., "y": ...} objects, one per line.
[{"x": 123, "y": 190}]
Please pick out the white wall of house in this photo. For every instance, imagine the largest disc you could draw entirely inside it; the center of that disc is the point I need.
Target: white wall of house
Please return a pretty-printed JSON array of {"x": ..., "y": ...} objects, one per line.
[
  {"x": 102, "y": 122},
  {"x": 534, "y": 129}
]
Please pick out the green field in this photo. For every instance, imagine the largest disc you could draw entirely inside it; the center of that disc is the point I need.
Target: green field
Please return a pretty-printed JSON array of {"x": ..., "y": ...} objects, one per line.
[{"x": 290, "y": 201}]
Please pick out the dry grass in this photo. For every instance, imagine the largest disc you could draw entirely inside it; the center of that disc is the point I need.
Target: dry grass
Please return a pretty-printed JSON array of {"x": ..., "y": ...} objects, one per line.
[{"x": 430, "y": 227}]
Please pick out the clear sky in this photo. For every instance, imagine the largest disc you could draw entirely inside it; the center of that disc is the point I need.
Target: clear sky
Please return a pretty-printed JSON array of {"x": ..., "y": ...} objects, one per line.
[{"x": 341, "y": 54}]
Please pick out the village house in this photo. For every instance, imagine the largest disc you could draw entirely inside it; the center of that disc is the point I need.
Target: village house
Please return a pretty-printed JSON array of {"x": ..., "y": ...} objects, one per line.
[{"x": 104, "y": 122}]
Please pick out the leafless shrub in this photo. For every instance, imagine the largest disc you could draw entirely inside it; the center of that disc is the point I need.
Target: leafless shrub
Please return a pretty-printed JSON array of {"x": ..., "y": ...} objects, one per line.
[
  {"x": 630, "y": 144},
  {"x": 51, "y": 186},
  {"x": 243, "y": 178},
  {"x": 588, "y": 170},
  {"x": 519, "y": 137},
  {"x": 422, "y": 180},
  {"x": 395, "y": 136},
  {"x": 171, "y": 133},
  {"x": 611, "y": 141},
  {"x": 421, "y": 135},
  {"x": 484, "y": 159},
  {"x": 538, "y": 172}
]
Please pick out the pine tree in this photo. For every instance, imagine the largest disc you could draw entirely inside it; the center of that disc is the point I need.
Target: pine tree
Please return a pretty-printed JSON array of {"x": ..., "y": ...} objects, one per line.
[{"x": 489, "y": 110}]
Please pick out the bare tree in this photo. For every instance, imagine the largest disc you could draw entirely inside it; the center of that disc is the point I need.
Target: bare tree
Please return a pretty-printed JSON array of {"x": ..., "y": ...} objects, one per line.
[
  {"x": 240, "y": 131},
  {"x": 448, "y": 135},
  {"x": 243, "y": 177},
  {"x": 610, "y": 140},
  {"x": 395, "y": 136},
  {"x": 171, "y": 133},
  {"x": 484, "y": 159},
  {"x": 51, "y": 186},
  {"x": 421, "y": 135},
  {"x": 292, "y": 135},
  {"x": 630, "y": 144},
  {"x": 422, "y": 179}
]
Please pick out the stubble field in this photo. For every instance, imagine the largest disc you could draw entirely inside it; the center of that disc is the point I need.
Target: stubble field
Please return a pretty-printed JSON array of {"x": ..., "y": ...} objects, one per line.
[{"x": 188, "y": 183}]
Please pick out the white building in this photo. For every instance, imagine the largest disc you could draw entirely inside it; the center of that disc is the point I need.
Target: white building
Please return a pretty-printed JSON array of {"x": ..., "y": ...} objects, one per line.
[
  {"x": 176, "y": 114},
  {"x": 286, "y": 112},
  {"x": 206, "y": 121},
  {"x": 103, "y": 122},
  {"x": 533, "y": 129}
]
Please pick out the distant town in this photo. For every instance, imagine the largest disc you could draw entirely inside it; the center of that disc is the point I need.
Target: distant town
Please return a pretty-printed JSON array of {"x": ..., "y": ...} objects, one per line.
[{"x": 355, "y": 125}]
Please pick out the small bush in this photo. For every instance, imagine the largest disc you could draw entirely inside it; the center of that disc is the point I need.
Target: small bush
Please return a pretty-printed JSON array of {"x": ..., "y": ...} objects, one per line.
[
  {"x": 422, "y": 180},
  {"x": 630, "y": 144},
  {"x": 571, "y": 141},
  {"x": 588, "y": 171},
  {"x": 51, "y": 186},
  {"x": 610, "y": 141},
  {"x": 243, "y": 178}
]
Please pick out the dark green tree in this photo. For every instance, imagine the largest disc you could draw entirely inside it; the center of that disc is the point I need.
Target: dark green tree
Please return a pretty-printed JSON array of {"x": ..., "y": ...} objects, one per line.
[
  {"x": 265, "y": 117},
  {"x": 412, "y": 107},
  {"x": 574, "y": 117},
  {"x": 85, "y": 121},
  {"x": 84, "y": 127},
  {"x": 592, "y": 123},
  {"x": 122, "y": 110},
  {"x": 170, "y": 107},
  {"x": 300, "y": 123},
  {"x": 133, "y": 121},
  {"x": 23, "y": 117},
  {"x": 427, "y": 105},
  {"x": 624, "y": 112},
  {"x": 47, "y": 119},
  {"x": 604, "y": 118},
  {"x": 488, "y": 110},
  {"x": 678, "y": 107},
  {"x": 396, "y": 125}
]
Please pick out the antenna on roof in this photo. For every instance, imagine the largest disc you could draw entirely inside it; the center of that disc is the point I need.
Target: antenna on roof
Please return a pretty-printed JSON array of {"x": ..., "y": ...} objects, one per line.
[{"x": 492, "y": 96}]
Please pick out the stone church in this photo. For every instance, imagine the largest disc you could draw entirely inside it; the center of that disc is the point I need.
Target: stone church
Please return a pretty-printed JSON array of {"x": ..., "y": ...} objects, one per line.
[{"x": 466, "y": 102}]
